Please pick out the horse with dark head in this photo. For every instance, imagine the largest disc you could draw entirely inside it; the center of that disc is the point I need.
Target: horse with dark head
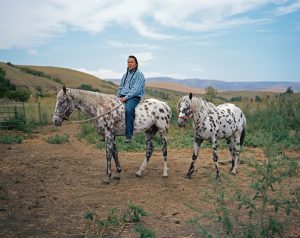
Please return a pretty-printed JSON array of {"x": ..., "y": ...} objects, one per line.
[
  {"x": 210, "y": 123},
  {"x": 151, "y": 116}
]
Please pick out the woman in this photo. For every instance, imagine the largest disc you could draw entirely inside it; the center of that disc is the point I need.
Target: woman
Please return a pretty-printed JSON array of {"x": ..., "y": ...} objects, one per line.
[{"x": 131, "y": 90}]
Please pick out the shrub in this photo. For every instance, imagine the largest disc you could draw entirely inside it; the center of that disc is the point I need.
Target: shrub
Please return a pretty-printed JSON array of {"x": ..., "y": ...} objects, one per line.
[
  {"x": 264, "y": 210},
  {"x": 17, "y": 122},
  {"x": 57, "y": 139},
  {"x": 116, "y": 221},
  {"x": 7, "y": 139},
  {"x": 21, "y": 95}
]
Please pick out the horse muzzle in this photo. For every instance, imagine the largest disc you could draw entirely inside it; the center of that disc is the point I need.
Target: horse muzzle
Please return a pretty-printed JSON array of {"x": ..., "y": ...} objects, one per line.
[
  {"x": 57, "y": 120},
  {"x": 181, "y": 121}
]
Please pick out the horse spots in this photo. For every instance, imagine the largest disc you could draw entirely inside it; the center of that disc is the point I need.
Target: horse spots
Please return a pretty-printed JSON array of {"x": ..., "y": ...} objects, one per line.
[{"x": 161, "y": 110}]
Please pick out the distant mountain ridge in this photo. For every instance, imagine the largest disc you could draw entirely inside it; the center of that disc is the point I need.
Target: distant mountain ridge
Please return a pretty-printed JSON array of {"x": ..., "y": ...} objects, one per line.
[{"x": 232, "y": 86}]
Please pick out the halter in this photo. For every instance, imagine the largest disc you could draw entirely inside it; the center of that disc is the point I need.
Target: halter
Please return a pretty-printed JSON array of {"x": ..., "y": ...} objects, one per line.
[
  {"x": 186, "y": 117},
  {"x": 63, "y": 115}
]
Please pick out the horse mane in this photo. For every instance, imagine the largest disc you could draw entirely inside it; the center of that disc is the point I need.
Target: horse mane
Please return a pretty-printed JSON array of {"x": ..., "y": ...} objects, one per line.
[
  {"x": 199, "y": 103},
  {"x": 93, "y": 97}
]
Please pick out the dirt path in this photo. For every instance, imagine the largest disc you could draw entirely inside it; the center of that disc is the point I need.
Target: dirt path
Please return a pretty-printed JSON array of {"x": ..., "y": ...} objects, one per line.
[{"x": 46, "y": 189}]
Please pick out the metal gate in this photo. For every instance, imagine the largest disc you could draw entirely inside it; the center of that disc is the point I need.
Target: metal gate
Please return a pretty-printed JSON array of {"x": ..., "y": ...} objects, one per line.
[{"x": 11, "y": 114}]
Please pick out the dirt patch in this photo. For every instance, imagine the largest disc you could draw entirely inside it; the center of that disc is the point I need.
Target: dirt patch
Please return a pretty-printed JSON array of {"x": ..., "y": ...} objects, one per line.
[{"x": 46, "y": 189}]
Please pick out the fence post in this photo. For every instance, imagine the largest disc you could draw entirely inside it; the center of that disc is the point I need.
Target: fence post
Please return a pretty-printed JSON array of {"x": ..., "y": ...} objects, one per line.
[{"x": 40, "y": 117}]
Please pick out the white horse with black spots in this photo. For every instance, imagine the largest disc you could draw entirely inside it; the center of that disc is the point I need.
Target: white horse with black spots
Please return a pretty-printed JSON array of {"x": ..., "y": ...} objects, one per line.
[
  {"x": 210, "y": 123},
  {"x": 151, "y": 116}
]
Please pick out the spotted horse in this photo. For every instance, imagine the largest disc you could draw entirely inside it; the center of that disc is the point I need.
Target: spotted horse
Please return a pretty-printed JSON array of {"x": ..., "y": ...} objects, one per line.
[
  {"x": 210, "y": 123},
  {"x": 151, "y": 116}
]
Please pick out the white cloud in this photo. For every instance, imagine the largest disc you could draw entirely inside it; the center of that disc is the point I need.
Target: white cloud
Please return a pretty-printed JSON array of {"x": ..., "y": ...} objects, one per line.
[
  {"x": 106, "y": 74},
  {"x": 31, "y": 22},
  {"x": 290, "y": 8},
  {"x": 32, "y": 51},
  {"x": 103, "y": 73},
  {"x": 142, "y": 57},
  {"x": 125, "y": 45}
]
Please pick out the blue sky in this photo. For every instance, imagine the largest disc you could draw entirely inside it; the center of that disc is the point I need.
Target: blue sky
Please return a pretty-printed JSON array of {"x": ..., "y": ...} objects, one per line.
[{"x": 228, "y": 40}]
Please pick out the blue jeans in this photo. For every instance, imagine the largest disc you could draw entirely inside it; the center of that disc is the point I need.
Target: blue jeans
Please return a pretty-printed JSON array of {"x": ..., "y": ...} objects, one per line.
[{"x": 130, "y": 105}]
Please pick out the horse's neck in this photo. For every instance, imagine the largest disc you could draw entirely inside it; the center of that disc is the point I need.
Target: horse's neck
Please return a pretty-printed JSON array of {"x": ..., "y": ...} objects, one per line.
[
  {"x": 202, "y": 107},
  {"x": 88, "y": 102}
]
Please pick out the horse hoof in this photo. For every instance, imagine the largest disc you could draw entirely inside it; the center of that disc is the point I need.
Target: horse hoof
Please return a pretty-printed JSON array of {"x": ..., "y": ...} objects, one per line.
[
  {"x": 165, "y": 176},
  {"x": 138, "y": 175},
  {"x": 233, "y": 173},
  {"x": 188, "y": 176},
  {"x": 117, "y": 177},
  {"x": 106, "y": 181}
]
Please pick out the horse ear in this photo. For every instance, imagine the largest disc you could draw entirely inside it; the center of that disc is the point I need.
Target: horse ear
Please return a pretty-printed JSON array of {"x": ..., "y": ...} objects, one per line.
[
  {"x": 64, "y": 89},
  {"x": 190, "y": 96}
]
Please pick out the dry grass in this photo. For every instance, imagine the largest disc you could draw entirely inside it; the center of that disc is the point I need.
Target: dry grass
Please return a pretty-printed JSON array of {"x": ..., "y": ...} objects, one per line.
[{"x": 70, "y": 78}]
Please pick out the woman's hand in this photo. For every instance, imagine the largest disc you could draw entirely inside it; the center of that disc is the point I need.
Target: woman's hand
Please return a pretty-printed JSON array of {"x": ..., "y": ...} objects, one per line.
[{"x": 123, "y": 99}]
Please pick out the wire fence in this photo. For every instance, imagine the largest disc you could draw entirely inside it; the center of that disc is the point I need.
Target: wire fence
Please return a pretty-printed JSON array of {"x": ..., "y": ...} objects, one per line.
[{"x": 11, "y": 114}]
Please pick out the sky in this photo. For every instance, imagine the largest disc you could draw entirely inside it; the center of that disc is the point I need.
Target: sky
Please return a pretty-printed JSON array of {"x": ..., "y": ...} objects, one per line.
[{"x": 227, "y": 40}]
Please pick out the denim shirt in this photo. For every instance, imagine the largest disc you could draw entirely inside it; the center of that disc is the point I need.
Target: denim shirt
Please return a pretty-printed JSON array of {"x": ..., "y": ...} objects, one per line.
[{"x": 133, "y": 85}]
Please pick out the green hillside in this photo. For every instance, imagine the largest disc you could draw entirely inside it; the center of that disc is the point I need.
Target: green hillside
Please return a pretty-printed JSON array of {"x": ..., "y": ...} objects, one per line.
[
  {"x": 53, "y": 78},
  {"x": 50, "y": 79}
]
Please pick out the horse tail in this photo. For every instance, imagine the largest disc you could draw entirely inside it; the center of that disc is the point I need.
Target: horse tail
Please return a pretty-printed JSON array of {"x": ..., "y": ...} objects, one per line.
[{"x": 243, "y": 131}]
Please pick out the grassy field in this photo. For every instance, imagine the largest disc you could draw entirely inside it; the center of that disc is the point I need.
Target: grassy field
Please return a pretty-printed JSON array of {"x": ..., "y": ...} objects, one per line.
[{"x": 275, "y": 117}]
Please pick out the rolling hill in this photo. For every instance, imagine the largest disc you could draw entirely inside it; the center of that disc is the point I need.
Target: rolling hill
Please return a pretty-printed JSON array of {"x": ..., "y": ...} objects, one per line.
[
  {"x": 228, "y": 86},
  {"x": 53, "y": 78}
]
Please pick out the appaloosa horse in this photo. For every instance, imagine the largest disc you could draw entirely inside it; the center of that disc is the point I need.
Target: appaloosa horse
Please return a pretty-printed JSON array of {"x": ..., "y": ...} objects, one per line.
[
  {"x": 211, "y": 122},
  {"x": 151, "y": 116}
]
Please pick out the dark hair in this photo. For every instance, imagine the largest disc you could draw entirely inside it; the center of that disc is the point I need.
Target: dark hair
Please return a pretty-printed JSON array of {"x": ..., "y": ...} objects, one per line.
[{"x": 133, "y": 57}]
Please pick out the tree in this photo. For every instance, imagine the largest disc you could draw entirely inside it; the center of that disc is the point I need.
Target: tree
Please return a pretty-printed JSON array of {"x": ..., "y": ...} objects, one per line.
[
  {"x": 86, "y": 87},
  {"x": 9, "y": 90},
  {"x": 2, "y": 73},
  {"x": 288, "y": 91},
  {"x": 211, "y": 93}
]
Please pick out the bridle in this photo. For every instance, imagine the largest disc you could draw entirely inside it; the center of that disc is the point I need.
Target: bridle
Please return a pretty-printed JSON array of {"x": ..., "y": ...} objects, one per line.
[
  {"x": 187, "y": 116},
  {"x": 63, "y": 115}
]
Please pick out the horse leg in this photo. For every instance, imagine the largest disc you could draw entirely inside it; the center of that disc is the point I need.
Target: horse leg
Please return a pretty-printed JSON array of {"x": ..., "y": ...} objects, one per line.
[
  {"x": 165, "y": 154},
  {"x": 150, "y": 149},
  {"x": 117, "y": 162},
  {"x": 109, "y": 154},
  {"x": 197, "y": 144},
  {"x": 235, "y": 153},
  {"x": 215, "y": 156}
]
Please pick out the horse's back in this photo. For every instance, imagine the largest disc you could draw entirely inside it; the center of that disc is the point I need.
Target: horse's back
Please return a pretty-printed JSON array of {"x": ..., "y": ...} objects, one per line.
[
  {"x": 153, "y": 112},
  {"x": 235, "y": 112}
]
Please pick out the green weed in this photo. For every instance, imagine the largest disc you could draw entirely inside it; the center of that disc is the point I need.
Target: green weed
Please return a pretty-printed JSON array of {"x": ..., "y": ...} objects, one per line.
[
  {"x": 11, "y": 139},
  {"x": 263, "y": 210},
  {"x": 116, "y": 220},
  {"x": 58, "y": 139}
]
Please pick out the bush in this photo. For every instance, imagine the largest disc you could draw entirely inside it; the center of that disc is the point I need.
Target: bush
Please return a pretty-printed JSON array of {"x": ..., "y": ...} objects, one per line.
[
  {"x": 11, "y": 139},
  {"x": 275, "y": 120},
  {"x": 265, "y": 210},
  {"x": 57, "y": 139},
  {"x": 88, "y": 87},
  {"x": 21, "y": 95},
  {"x": 18, "y": 122},
  {"x": 116, "y": 221}
]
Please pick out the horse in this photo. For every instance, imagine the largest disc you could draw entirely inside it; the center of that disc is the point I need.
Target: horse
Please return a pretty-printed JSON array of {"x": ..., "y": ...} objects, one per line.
[
  {"x": 210, "y": 123},
  {"x": 151, "y": 116}
]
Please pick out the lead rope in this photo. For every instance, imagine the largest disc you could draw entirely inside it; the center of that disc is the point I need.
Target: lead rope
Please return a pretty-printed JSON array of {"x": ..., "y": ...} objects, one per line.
[{"x": 94, "y": 118}]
